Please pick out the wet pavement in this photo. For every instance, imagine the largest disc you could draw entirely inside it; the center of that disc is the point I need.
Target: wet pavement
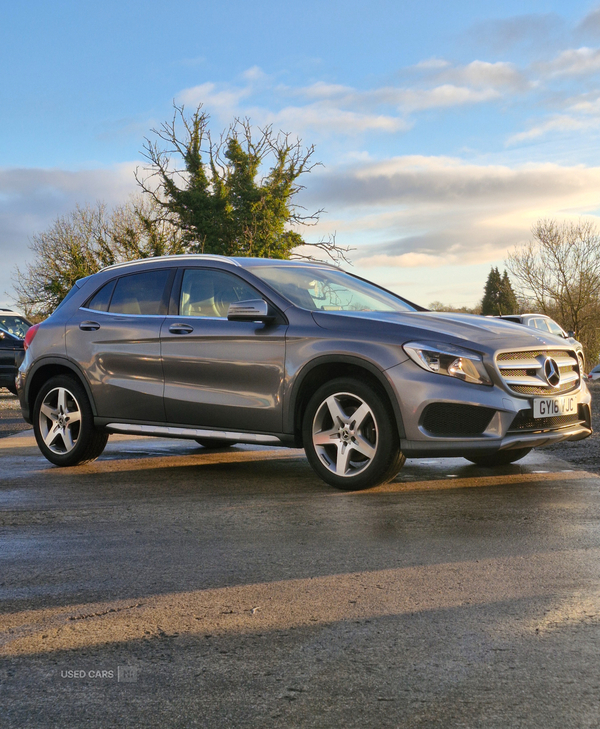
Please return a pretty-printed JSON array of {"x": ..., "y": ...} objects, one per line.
[{"x": 168, "y": 586}]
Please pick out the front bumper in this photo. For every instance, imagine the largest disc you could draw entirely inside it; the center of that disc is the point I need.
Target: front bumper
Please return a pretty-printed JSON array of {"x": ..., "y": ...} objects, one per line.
[{"x": 506, "y": 423}]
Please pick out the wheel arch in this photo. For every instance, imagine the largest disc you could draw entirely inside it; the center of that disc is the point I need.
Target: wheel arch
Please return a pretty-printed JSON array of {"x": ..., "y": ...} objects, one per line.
[
  {"x": 50, "y": 367},
  {"x": 329, "y": 367}
]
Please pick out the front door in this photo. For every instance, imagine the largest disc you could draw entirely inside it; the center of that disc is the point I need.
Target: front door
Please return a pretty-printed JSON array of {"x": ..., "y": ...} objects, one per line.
[{"x": 220, "y": 373}]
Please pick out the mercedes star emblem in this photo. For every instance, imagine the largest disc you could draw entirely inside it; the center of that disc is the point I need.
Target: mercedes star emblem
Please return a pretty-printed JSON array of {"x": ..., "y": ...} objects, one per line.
[{"x": 552, "y": 372}]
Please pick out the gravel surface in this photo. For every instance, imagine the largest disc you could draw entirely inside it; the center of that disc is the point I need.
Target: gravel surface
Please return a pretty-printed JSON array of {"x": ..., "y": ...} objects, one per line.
[
  {"x": 585, "y": 453},
  {"x": 11, "y": 421}
]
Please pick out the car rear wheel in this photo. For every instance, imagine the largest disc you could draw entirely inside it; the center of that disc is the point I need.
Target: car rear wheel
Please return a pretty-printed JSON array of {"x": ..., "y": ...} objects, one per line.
[
  {"x": 502, "y": 458},
  {"x": 214, "y": 442},
  {"x": 350, "y": 435},
  {"x": 63, "y": 423}
]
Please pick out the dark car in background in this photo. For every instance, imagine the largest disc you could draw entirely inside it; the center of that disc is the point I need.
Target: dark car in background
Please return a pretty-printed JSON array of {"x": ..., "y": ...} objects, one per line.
[
  {"x": 11, "y": 355},
  {"x": 13, "y": 329},
  {"x": 241, "y": 350}
]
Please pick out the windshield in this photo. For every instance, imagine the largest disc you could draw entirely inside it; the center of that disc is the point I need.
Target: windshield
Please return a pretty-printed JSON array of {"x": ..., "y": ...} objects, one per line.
[
  {"x": 328, "y": 289},
  {"x": 14, "y": 325}
]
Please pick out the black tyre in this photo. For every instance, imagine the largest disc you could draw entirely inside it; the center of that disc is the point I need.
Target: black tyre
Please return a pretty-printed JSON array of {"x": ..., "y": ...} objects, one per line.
[
  {"x": 502, "y": 458},
  {"x": 63, "y": 423},
  {"x": 350, "y": 435},
  {"x": 214, "y": 443}
]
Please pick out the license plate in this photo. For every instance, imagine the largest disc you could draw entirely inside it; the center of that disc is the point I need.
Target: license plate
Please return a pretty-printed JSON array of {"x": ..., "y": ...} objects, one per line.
[{"x": 549, "y": 407}]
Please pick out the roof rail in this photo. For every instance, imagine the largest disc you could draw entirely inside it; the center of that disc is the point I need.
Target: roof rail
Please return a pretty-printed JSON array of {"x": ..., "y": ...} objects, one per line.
[{"x": 182, "y": 256}]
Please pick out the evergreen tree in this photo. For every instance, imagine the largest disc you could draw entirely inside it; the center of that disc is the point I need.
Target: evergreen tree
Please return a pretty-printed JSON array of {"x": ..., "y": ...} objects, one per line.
[
  {"x": 490, "y": 305},
  {"x": 507, "y": 301},
  {"x": 498, "y": 297},
  {"x": 234, "y": 197}
]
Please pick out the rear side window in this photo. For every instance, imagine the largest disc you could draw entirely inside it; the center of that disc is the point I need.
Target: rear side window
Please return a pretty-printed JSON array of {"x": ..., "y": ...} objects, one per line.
[
  {"x": 140, "y": 293},
  {"x": 101, "y": 299},
  {"x": 540, "y": 324}
]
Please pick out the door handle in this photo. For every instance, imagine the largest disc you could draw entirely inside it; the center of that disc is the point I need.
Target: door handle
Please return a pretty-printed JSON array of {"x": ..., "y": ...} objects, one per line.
[
  {"x": 89, "y": 326},
  {"x": 181, "y": 329}
]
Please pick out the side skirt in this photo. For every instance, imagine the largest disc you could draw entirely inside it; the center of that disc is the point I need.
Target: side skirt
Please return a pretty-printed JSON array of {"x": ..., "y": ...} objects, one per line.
[{"x": 167, "y": 431}]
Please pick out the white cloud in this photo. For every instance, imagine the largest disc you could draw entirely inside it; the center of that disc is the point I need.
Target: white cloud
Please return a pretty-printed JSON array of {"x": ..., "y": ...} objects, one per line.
[
  {"x": 344, "y": 109},
  {"x": 329, "y": 119},
  {"x": 443, "y": 96},
  {"x": 572, "y": 62},
  {"x": 559, "y": 123},
  {"x": 223, "y": 102},
  {"x": 406, "y": 260},
  {"x": 431, "y": 64},
  {"x": 479, "y": 74},
  {"x": 430, "y": 212}
]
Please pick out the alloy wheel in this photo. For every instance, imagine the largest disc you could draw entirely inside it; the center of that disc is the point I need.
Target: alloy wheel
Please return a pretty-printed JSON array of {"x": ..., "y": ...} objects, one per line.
[
  {"x": 344, "y": 434},
  {"x": 60, "y": 421}
]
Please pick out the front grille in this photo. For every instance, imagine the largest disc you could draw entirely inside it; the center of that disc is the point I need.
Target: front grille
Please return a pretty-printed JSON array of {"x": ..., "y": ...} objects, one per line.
[
  {"x": 523, "y": 371},
  {"x": 525, "y": 421},
  {"x": 451, "y": 419},
  {"x": 537, "y": 390}
]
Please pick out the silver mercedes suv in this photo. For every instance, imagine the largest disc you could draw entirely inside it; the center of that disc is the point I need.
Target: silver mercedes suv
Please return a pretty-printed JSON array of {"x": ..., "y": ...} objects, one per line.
[{"x": 242, "y": 350}]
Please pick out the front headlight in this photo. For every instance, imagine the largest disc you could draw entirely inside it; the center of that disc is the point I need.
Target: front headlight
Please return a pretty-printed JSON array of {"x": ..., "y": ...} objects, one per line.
[{"x": 446, "y": 359}]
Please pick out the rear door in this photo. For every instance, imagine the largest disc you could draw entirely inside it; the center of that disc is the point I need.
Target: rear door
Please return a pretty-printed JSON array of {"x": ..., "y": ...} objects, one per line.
[
  {"x": 220, "y": 373},
  {"x": 115, "y": 337}
]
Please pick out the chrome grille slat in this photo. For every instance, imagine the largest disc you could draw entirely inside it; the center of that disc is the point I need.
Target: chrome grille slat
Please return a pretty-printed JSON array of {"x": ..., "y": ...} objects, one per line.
[
  {"x": 519, "y": 364},
  {"x": 523, "y": 371},
  {"x": 569, "y": 377},
  {"x": 524, "y": 380}
]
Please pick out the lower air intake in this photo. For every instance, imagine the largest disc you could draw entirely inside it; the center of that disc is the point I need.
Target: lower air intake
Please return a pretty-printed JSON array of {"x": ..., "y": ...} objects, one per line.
[{"x": 450, "y": 419}]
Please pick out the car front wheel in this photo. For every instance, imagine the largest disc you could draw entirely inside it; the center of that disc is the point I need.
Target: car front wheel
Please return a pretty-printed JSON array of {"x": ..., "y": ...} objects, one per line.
[
  {"x": 63, "y": 423},
  {"x": 350, "y": 435}
]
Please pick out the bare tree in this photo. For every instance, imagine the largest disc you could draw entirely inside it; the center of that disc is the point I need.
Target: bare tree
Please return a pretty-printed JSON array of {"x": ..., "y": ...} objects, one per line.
[
  {"x": 558, "y": 273},
  {"x": 86, "y": 240}
]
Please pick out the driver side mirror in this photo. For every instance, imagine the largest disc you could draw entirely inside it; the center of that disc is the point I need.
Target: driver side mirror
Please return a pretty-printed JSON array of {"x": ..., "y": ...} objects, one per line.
[
  {"x": 251, "y": 310},
  {"x": 571, "y": 335}
]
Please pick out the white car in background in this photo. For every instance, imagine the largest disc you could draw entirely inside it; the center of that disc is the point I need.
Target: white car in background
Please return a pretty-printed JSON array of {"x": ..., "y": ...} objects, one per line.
[
  {"x": 14, "y": 323},
  {"x": 546, "y": 324},
  {"x": 595, "y": 373}
]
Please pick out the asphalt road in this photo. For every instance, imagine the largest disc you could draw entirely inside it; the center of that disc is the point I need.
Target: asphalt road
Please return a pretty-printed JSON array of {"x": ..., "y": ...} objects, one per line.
[{"x": 166, "y": 586}]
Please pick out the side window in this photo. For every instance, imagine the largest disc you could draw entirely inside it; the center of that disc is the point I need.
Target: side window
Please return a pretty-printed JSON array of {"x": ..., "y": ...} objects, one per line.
[
  {"x": 542, "y": 324},
  {"x": 101, "y": 299},
  {"x": 555, "y": 329},
  {"x": 207, "y": 292},
  {"x": 140, "y": 293}
]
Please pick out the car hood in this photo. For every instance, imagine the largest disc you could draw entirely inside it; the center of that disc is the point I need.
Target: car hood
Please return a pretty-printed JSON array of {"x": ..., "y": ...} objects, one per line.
[{"x": 435, "y": 325}]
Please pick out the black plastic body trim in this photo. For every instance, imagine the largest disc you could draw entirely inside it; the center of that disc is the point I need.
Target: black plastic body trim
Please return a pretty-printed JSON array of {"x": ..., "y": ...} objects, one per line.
[{"x": 290, "y": 414}]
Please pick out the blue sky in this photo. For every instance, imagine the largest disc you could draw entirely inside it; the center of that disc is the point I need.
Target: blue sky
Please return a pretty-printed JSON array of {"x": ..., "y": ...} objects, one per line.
[{"x": 446, "y": 129}]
